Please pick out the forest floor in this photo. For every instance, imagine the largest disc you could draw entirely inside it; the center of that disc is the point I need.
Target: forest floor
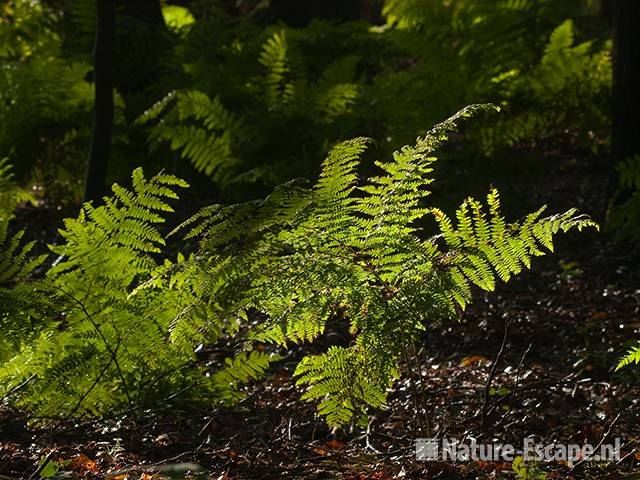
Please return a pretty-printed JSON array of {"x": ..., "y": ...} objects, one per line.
[{"x": 567, "y": 322}]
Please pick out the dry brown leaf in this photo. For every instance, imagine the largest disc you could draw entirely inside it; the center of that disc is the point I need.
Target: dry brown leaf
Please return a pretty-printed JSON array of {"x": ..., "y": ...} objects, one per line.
[
  {"x": 321, "y": 451},
  {"x": 473, "y": 359},
  {"x": 335, "y": 444},
  {"x": 84, "y": 464}
]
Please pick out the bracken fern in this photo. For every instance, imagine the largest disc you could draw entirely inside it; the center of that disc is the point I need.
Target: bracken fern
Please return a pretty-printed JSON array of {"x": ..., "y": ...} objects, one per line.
[{"x": 355, "y": 252}]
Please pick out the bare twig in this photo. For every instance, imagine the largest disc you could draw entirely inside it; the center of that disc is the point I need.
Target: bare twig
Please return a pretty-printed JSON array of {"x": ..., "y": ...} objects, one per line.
[
  {"x": 597, "y": 448},
  {"x": 630, "y": 454},
  {"x": 416, "y": 358},
  {"x": 414, "y": 394},
  {"x": 521, "y": 364},
  {"x": 492, "y": 374}
]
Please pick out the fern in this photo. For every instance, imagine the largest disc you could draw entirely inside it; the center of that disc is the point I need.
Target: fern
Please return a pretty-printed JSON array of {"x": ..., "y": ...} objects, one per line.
[
  {"x": 210, "y": 147},
  {"x": 240, "y": 369},
  {"x": 565, "y": 75},
  {"x": 45, "y": 104},
  {"x": 632, "y": 357},
  {"x": 271, "y": 271},
  {"x": 20, "y": 299},
  {"x": 279, "y": 91},
  {"x": 111, "y": 326},
  {"x": 11, "y": 195},
  {"x": 106, "y": 249},
  {"x": 520, "y": 54},
  {"x": 355, "y": 252},
  {"x": 15, "y": 262},
  {"x": 344, "y": 381},
  {"x": 324, "y": 83}
]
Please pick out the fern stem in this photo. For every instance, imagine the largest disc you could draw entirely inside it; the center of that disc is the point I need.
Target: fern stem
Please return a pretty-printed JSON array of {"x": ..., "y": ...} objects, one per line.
[
  {"x": 104, "y": 339},
  {"x": 17, "y": 388},
  {"x": 86, "y": 394}
]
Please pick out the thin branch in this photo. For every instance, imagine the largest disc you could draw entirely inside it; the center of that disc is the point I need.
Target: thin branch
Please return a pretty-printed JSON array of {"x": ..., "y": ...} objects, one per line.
[
  {"x": 416, "y": 358},
  {"x": 521, "y": 364},
  {"x": 492, "y": 374},
  {"x": 414, "y": 394},
  {"x": 597, "y": 448}
]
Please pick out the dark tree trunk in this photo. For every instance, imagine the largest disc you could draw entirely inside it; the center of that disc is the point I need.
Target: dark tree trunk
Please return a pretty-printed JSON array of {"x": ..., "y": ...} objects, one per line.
[
  {"x": 147, "y": 11},
  {"x": 141, "y": 41},
  {"x": 103, "y": 104},
  {"x": 626, "y": 79}
]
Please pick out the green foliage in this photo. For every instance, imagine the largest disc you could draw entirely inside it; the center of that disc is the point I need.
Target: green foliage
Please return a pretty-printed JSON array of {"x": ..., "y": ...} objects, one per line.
[
  {"x": 356, "y": 252},
  {"x": 632, "y": 357},
  {"x": 517, "y": 54},
  {"x": 16, "y": 264},
  {"x": 209, "y": 144},
  {"x": 177, "y": 17},
  {"x": 226, "y": 87},
  {"x": 18, "y": 300},
  {"x": 24, "y": 28},
  {"x": 527, "y": 470},
  {"x": 565, "y": 76},
  {"x": 240, "y": 369},
  {"x": 11, "y": 195},
  {"x": 226, "y": 135},
  {"x": 237, "y": 87},
  {"x": 103, "y": 341},
  {"x": 115, "y": 323},
  {"x": 45, "y": 104}
]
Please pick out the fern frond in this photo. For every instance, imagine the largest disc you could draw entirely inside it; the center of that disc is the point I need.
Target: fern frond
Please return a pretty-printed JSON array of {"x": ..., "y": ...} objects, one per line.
[
  {"x": 350, "y": 251},
  {"x": 279, "y": 86},
  {"x": 201, "y": 129},
  {"x": 243, "y": 367},
  {"x": 343, "y": 382},
  {"x": 11, "y": 195},
  {"x": 107, "y": 339},
  {"x": 632, "y": 357},
  {"x": 16, "y": 263}
]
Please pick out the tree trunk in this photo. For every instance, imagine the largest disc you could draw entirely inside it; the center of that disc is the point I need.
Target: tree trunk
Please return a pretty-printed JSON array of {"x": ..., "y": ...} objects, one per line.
[
  {"x": 141, "y": 41},
  {"x": 103, "y": 103},
  {"x": 147, "y": 11},
  {"x": 626, "y": 80}
]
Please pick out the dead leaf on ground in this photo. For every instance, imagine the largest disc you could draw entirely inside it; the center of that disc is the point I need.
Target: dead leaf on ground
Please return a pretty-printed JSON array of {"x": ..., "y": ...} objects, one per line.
[
  {"x": 473, "y": 359},
  {"x": 84, "y": 464},
  {"x": 336, "y": 444}
]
